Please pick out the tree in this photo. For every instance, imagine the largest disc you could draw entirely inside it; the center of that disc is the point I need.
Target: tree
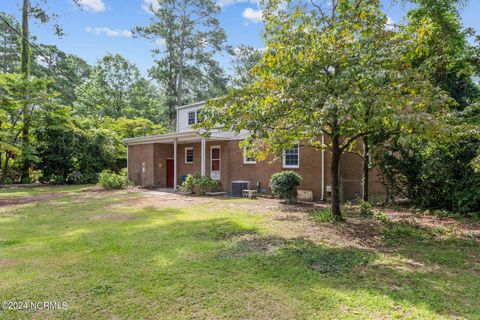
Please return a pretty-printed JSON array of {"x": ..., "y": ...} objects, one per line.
[
  {"x": 30, "y": 10},
  {"x": 15, "y": 117},
  {"x": 440, "y": 172},
  {"x": 9, "y": 44},
  {"x": 318, "y": 75},
  {"x": 115, "y": 89},
  {"x": 244, "y": 59},
  {"x": 190, "y": 35},
  {"x": 49, "y": 64}
]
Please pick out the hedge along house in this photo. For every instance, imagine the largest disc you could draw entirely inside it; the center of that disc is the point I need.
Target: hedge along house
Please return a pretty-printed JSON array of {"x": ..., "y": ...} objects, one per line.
[{"x": 165, "y": 160}]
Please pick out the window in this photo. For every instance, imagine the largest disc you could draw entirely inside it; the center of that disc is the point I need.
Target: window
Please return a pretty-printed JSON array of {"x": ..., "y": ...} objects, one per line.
[
  {"x": 291, "y": 157},
  {"x": 215, "y": 162},
  {"x": 194, "y": 117},
  {"x": 191, "y": 118},
  {"x": 248, "y": 159},
  {"x": 199, "y": 116},
  {"x": 188, "y": 155}
]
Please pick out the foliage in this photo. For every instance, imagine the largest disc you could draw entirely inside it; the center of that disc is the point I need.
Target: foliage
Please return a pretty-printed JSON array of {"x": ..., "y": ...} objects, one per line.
[
  {"x": 191, "y": 35},
  {"x": 440, "y": 172},
  {"x": 15, "y": 115},
  {"x": 365, "y": 208},
  {"x": 199, "y": 185},
  {"x": 113, "y": 181},
  {"x": 115, "y": 89},
  {"x": 318, "y": 75},
  {"x": 51, "y": 61},
  {"x": 244, "y": 59},
  {"x": 436, "y": 174},
  {"x": 324, "y": 215},
  {"x": 9, "y": 45},
  {"x": 284, "y": 184}
]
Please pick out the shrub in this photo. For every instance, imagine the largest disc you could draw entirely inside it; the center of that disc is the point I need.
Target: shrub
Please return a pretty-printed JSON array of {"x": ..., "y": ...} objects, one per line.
[
  {"x": 366, "y": 209},
  {"x": 54, "y": 179},
  {"x": 199, "y": 185},
  {"x": 284, "y": 184},
  {"x": 324, "y": 215},
  {"x": 112, "y": 181}
]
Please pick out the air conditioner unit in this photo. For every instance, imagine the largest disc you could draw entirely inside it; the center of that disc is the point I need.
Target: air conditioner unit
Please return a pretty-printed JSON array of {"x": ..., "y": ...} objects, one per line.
[{"x": 238, "y": 186}]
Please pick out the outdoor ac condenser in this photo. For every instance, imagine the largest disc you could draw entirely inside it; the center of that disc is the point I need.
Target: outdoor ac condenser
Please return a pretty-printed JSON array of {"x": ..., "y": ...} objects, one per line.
[{"x": 238, "y": 186}]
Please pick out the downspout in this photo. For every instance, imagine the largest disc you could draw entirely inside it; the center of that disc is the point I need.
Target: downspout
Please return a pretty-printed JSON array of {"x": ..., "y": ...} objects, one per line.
[
  {"x": 176, "y": 120},
  {"x": 323, "y": 170},
  {"x": 128, "y": 169}
]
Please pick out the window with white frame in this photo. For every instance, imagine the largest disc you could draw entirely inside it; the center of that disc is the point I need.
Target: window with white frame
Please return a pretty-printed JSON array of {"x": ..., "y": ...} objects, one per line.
[
  {"x": 246, "y": 158},
  {"x": 189, "y": 155},
  {"x": 291, "y": 157},
  {"x": 192, "y": 117}
]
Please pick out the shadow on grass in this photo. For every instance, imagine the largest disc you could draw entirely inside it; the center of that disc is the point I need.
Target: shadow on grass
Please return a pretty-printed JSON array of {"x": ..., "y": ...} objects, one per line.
[{"x": 225, "y": 266}]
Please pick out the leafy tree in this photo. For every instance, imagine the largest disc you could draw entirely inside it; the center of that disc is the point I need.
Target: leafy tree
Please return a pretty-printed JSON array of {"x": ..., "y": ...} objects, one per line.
[
  {"x": 440, "y": 172},
  {"x": 318, "y": 74},
  {"x": 56, "y": 64},
  {"x": 244, "y": 59},
  {"x": 116, "y": 89},
  {"x": 9, "y": 44},
  {"x": 15, "y": 116},
  {"x": 190, "y": 36},
  {"x": 30, "y": 9}
]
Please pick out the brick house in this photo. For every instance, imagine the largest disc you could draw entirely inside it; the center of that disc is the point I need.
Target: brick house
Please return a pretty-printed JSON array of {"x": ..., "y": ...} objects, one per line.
[{"x": 162, "y": 160}]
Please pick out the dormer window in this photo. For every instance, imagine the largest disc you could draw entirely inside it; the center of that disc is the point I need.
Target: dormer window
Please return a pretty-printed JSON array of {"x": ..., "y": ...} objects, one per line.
[{"x": 192, "y": 117}]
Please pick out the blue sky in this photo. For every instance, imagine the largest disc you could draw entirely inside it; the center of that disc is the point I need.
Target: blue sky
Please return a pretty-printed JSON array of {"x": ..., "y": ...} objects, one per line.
[{"x": 104, "y": 26}]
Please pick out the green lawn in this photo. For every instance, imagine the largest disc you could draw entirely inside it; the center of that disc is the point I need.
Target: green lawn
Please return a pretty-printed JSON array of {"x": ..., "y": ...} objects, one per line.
[{"x": 132, "y": 255}]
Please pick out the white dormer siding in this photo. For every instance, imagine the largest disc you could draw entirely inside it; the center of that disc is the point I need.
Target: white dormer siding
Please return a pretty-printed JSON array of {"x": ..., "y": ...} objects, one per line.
[{"x": 183, "y": 115}]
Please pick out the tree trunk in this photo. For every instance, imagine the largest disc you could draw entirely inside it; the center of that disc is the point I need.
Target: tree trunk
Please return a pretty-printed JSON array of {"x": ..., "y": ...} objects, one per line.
[
  {"x": 366, "y": 152},
  {"x": 334, "y": 170},
  {"x": 5, "y": 169},
  {"x": 25, "y": 59},
  {"x": 25, "y": 71}
]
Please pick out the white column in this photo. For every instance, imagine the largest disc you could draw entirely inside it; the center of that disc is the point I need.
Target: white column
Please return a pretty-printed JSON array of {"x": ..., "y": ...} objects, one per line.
[
  {"x": 203, "y": 147},
  {"x": 323, "y": 169},
  {"x": 175, "y": 165}
]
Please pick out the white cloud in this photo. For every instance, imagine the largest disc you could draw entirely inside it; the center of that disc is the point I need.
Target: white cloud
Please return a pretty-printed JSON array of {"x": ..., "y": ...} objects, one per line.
[
  {"x": 109, "y": 32},
  {"x": 159, "y": 42},
  {"x": 92, "y": 5},
  {"x": 150, "y": 3},
  {"x": 390, "y": 25},
  {"x": 252, "y": 15}
]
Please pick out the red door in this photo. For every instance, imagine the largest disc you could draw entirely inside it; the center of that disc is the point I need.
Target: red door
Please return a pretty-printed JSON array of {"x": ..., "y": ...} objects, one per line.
[{"x": 169, "y": 173}]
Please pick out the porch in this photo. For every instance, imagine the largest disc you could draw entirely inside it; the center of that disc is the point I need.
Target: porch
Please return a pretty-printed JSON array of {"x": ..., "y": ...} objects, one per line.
[{"x": 165, "y": 160}]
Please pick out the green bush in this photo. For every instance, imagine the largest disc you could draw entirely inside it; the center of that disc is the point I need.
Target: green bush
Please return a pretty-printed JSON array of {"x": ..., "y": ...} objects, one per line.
[
  {"x": 323, "y": 215},
  {"x": 284, "y": 184},
  {"x": 199, "y": 185},
  {"x": 366, "y": 208},
  {"x": 112, "y": 181}
]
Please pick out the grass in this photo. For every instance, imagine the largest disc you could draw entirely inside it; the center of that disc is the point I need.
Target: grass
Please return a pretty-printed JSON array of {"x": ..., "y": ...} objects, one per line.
[
  {"x": 37, "y": 191},
  {"x": 124, "y": 255}
]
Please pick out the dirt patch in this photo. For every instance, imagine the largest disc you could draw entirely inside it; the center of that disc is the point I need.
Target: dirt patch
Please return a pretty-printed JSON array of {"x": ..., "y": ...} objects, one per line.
[
  {"x": 25, "y": 200},
  {"x": 9, "y": 262},
  {"x": 459, "y": 227}
]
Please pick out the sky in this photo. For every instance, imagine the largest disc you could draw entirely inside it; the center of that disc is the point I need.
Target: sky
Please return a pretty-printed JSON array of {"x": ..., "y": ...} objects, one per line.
[{"x": 103, "y": 26}]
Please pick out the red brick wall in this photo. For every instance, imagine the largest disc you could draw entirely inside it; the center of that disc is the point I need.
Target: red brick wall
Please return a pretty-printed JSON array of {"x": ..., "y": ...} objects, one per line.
[
  {"x": 232, "y": 167},
  {"x": 138, "y": 154}
]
